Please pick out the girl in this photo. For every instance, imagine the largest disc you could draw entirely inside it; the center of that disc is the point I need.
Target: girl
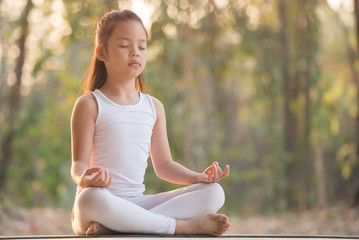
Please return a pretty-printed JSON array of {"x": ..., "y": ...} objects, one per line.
[{"x": 114, "y": 126}]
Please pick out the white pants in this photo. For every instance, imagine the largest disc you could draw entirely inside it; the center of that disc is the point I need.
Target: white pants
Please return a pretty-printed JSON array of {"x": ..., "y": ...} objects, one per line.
[{"x": 152, "y": 214}]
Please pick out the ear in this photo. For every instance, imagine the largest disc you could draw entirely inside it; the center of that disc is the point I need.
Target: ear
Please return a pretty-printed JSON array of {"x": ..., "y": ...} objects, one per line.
[{"x": 100, "y": 53}]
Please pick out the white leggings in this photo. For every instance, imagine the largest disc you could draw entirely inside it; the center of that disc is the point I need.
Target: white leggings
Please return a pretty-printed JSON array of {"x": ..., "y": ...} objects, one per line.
[{"x": 152, "y": 214}]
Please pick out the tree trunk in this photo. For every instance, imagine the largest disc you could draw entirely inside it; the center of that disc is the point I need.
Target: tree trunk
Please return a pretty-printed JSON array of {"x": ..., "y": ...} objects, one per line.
[
  {"x": 320, "y": 176},
  {"x": 307, "y": 37},
  {"x": 187, "y": 63},
  {"x": 353, "y": 57},
  {"x": 3, "y": 60},
  {"x": 3, "y": 70},
  {"x": 298, "y": 63},
  {"x": 356, "y": 79},
  {"x": 290, "y": 122},
  {"x": 13, "y": 101}
]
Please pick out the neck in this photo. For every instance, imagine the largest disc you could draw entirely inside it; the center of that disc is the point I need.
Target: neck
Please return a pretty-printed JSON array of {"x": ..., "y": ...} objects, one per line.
[{"x": 119, "y": 87}]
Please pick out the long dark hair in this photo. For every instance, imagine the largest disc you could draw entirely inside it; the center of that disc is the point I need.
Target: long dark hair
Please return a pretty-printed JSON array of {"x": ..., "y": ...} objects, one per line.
[{"x": 105, "y": 25}]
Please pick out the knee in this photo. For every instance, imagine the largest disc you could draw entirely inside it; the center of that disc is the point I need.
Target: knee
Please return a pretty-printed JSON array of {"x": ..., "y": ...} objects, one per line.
[
  {"x": 91, "y": 198},
  {"x": 215, "y": 196},
  {"x": 217, "y": 192},
  {"x": 86, "y": 208}
]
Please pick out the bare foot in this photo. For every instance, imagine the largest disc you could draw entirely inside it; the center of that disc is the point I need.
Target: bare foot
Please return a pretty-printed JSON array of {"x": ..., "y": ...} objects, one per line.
[
  {"x": 212, "y": 224},
  {"x": 97, "y": 229}
]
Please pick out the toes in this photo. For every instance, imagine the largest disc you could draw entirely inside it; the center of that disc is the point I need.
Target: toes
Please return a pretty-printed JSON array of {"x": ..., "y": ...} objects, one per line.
[
  {"x": 220, "y": 232},
  {"x": 92, "y": 228},
  {"x": 221, "y": 229},
  {"x": 223, "y": 218},
  {"x": 220, "y": 224},
  {"x": 224, "y": 227}
]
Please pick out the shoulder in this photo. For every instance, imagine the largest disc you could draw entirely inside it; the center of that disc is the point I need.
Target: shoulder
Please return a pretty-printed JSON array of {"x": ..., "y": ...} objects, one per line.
[
  {"x": 86, "y": 105},
  {"x": 160, "y": 110},
  {"x": 86, "y": 101},
  {"x": 156, "y": 102}
]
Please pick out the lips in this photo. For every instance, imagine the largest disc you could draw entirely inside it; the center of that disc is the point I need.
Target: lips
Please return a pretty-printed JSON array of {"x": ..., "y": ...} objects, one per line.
[{"x": 135, "y": 64}]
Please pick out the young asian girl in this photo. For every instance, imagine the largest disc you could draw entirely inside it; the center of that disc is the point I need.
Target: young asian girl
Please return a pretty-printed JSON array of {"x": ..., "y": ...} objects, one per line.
[{"x": 114, "y": 128}]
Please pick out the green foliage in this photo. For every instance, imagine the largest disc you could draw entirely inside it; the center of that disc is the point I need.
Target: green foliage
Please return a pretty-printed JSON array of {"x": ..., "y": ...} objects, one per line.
[{"x": 218, "y": 71}]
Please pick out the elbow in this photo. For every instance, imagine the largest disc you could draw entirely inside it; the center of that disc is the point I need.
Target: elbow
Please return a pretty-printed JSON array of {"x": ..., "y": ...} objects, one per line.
[
  {"x": 159, "y": 173},
  {"x": 76, "y": 171},
  {"x": 72, "y": 172},
  {"x": 161, "y": 170}
]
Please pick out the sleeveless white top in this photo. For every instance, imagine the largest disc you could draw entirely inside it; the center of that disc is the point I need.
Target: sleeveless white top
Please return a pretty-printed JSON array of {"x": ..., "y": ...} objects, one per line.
[{"x": 122, "y": 141}]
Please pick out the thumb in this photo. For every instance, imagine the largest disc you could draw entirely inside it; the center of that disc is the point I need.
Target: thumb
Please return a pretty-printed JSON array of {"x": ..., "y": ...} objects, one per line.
[{"x": 92, "y": 170}]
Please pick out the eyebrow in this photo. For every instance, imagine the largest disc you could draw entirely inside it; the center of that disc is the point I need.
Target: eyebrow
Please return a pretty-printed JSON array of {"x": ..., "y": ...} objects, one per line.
[{"x": 127, "y": 39}]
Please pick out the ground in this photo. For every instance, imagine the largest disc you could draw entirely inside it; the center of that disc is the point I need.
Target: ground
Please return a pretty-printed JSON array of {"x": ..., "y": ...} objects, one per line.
[{"x": 330, "y": 221}]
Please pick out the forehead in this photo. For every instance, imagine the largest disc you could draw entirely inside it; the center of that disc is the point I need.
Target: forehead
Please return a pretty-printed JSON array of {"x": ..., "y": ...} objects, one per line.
[{"x": 129, "y": 29}]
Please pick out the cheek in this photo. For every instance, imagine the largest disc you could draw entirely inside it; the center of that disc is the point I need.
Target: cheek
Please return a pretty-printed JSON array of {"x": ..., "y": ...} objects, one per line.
[
  {"x": 114, "y": 54},
  {"x": 145, "y": 55}
]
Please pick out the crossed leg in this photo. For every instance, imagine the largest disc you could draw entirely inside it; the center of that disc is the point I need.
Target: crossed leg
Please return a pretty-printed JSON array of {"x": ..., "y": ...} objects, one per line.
[{"x": 189, "y": 210}]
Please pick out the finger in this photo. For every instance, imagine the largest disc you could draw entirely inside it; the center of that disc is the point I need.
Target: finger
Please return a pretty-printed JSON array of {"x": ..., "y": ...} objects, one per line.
[
  {"x": 215, "y": 172},
  {"x": 107, "y": 178},
  {"x": 97, "y": 178},
  {"x": 226, "y": 171},
  {"x": 207, "y": 169},
  {"x": 220, "y": 171},
  {"x": 210, "y": 176},
  {"x": 213, "y": 169},
  {"x": 97, "y": 175},
  {"x": 109, "y": 183},
  {"x": 89, "y": 171},
  {"x": 104, "y": 179},
  {"x": 219, "y": 168}
]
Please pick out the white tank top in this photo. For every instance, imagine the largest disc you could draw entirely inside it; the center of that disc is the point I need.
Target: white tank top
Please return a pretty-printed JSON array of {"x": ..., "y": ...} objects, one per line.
[{"x": 122, "y": 141}]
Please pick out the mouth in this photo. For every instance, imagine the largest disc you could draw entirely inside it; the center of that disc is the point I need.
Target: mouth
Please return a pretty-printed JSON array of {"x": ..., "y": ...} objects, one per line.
[{"x": 134, "y": 64}]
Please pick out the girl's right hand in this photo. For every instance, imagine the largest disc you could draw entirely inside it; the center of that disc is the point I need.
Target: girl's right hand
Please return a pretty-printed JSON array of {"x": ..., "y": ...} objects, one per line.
[{"x": 95, "y": 177}]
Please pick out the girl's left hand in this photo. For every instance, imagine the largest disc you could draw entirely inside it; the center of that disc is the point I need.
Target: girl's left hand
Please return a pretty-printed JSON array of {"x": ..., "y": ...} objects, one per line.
[{"x": 213, "y": 173}]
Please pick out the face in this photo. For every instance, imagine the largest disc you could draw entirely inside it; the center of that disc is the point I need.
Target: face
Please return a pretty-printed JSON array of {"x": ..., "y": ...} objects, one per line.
[{"x": 126, "y": 52}]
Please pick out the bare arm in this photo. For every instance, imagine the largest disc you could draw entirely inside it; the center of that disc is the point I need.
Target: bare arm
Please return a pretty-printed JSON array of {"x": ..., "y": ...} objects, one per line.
[
  {"x": 82, "y": 131},
  {"x": 169, "y": 170}
]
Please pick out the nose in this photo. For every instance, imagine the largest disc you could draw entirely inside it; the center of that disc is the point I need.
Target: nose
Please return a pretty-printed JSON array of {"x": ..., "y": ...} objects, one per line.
[{"x": 134, "y": 52}]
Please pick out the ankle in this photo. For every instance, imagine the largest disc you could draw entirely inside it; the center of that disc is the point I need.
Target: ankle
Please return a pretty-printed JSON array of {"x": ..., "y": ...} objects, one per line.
[{"x": 182, "y": 227}]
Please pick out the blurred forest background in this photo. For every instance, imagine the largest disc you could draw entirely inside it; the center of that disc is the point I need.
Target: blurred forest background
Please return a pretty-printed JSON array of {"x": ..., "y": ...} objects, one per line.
[{"x": 270, "y": 87}]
